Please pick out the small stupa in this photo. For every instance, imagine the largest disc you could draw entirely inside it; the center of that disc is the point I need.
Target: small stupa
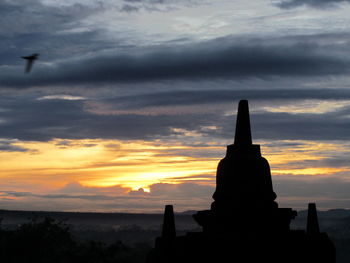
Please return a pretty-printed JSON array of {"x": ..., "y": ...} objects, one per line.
[{"x": 244, "y": 223}]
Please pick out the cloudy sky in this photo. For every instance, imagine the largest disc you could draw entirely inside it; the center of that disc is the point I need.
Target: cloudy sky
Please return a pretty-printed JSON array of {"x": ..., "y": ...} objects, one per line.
[{"x": 132, "y": 102}]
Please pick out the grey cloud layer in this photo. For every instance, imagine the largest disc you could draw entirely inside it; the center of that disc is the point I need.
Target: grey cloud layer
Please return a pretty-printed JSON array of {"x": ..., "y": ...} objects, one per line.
[
  {"x": 35, "y": 17},
  {"x": 189, "y": 97},
  {"x": 42, "y": 120},
  {"x": 157, "y": 5},
  {"x": 313, "y": 3},
  {"x": 219, "y": 59},
  {"x": 328, "y": 126},
  {"x": 62, "y": 31},
  {"x": 44, "y": 29},
  {"x": 9, "y": 146}
]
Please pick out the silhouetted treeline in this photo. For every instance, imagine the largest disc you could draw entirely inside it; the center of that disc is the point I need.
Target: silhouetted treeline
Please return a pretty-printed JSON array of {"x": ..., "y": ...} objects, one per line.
[{"x": 47, "y": 240}]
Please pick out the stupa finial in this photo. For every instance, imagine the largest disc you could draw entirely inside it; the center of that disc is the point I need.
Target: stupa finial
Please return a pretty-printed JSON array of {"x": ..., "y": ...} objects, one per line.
[
  {"x": 243, "y": 135},
  {"x": 168, "y": 231},
  {"x": 312, "y": 226}
]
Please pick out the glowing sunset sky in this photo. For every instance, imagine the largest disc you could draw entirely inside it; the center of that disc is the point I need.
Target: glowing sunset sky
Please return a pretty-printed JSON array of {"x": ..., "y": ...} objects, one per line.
[{"x": 132, "y": 102}]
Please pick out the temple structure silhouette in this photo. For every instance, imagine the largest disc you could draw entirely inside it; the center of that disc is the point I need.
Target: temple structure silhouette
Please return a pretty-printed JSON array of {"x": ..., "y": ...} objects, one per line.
[{"x": 244, "y": 223}]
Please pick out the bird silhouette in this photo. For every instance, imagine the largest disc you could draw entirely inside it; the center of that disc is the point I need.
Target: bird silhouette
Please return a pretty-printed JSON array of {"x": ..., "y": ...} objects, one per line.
[{"x": 30, "y": 60}]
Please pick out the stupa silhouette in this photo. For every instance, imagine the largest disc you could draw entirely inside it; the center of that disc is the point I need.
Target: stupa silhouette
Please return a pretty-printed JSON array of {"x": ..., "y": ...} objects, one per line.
[{"x": 244, "y": 223}]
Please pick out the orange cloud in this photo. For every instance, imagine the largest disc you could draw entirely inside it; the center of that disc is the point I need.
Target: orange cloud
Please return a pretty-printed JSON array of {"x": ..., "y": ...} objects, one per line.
[{"x": 106, "y": 172}]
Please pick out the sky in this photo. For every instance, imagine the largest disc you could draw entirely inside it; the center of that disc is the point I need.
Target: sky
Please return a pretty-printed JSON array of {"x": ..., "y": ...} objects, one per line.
[{"x": 132, "y": 103}]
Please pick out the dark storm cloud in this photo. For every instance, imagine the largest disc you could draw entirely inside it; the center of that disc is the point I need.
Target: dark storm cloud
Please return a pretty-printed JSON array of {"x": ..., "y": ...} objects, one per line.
[
  {"x": 313, "y": 3},
  {"x": 211, "y": 60}
]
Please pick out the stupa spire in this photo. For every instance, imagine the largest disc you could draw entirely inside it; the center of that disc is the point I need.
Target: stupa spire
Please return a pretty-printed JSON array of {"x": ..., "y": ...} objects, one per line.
[
  {"x": 243, "y": 135},
  {"x": 312, "y": 226},
  {"x": 168, "y": 231}
]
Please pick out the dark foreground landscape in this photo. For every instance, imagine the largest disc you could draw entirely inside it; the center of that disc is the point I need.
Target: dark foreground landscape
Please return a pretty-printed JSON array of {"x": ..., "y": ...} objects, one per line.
[{"x": 118, "y": 237}]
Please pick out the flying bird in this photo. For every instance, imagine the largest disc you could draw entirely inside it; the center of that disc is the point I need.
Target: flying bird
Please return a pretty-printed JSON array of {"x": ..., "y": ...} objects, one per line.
[{"x": 30, "y": 60}]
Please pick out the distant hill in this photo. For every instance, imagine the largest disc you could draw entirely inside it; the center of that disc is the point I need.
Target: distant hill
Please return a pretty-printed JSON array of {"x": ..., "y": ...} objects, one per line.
[
  {"x": 333, "y": 213},
  {"x": 144, "y": 228},
  {"x": 101, "y": 221}
]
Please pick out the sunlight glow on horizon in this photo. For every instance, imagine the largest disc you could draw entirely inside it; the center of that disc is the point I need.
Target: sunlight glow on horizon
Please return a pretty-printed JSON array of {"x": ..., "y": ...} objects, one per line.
[
  {"x": 111, "y": 169},
  {"x": 102, "y": 163}
]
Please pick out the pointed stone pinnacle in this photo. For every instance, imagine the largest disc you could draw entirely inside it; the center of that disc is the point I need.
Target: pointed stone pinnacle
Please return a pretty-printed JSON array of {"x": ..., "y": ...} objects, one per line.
[
  {"x": 312, "y": 226},
  {"x": 243, "y": 135},
  {"x": 168, "y": 231}
]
